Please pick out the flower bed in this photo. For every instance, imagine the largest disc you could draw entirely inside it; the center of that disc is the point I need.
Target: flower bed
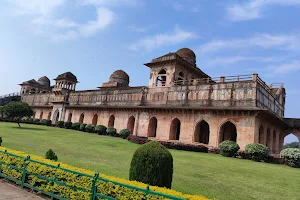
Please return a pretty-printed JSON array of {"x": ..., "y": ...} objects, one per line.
[{"x": 70, "y": 182}]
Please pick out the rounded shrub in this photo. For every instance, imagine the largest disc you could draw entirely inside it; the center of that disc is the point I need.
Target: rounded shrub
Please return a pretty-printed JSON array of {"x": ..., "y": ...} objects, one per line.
[
  {"x": 68, "y": 125},
  {"x": 152, "y": 164},
  {"x": 291, "y": 156},
  {"x": 76, "y": 126},
  {"x": 82, "y": 127},
  {"x": 60, "y": 124},
  {"x": 48, "y": 122},
  {"x": 124, "y": 133},
  {"x": 90, "y": 128},
  {"x": 257, "y": 152},
  {"x": 51, "y": 155},
  {"x": 100, "y": 129},
  {"x": 229, "y": 148},
  {"x": 36, "y": 120},
  {"x": 111, "y": 131}
]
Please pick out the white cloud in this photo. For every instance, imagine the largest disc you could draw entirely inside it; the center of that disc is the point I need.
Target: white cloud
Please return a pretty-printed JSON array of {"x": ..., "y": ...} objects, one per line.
[
  {"x": 107, "y": 2},
  {"x": 59, "y": 23},
  {"x": 254, "y": 9},
  {"x": 35, "y": 7},
  {"x": 173, "y": 4},
  {"x": 263, "y": 40},
  {"x": 285, "y": 68},
  {"x": 164, "y": 39}
]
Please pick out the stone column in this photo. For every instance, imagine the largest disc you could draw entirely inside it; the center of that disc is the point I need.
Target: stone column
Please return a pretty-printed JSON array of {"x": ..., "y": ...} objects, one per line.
[
  {"x": 136, "y": 124},
  {"x": 277, "y": 143}
]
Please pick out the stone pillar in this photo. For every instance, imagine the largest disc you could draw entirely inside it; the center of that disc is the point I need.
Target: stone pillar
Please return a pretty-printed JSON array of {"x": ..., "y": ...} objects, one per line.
[
  {"x": 222, "y": 79},
  {"x": 136, "y": 124},
  {"x": 277, "y": 151},
  {"x": 254, "y": 77}
]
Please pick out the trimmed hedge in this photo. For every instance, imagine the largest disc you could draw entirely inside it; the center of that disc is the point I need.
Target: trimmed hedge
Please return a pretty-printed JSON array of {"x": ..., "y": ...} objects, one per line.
[
  {"x": 257, "y": 152},
  {"x": 111, "y": 131},
  {"x": 100, "y": 129},
  {"x": 137, "y": 139},
  {"x": 229, "y": 148},
  {"x": 82, "y": 127},
  {"x": 90, "y": 128},
  {"x": 152, "y": 164},
  {"x": 78, "y": 180},
  {"x": 291, "y": 157},
  {"x": 124, "y": 133},
  {"x": 60, "y": 124},
  {"x": 76, "y": 126},
  {"x": 68, "y": 125}
]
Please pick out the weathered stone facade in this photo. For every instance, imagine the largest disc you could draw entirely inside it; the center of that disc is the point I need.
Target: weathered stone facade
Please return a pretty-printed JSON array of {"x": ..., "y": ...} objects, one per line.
[{"x": 181, "y": 103}]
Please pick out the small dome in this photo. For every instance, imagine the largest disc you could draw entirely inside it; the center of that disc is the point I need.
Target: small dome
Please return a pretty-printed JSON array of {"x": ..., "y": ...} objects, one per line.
[
  {"x": 187, "y": 54},
  {"x": 44, "y": 80},
  {"x": 120, "y": 77}
]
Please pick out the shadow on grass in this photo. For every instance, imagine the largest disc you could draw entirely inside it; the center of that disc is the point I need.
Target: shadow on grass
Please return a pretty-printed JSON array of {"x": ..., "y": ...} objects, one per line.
[{"x": 28, "y": 128}]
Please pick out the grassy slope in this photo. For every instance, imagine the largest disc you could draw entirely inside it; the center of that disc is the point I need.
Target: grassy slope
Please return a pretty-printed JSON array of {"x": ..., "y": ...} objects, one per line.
[{"x": 195, "y": 173}]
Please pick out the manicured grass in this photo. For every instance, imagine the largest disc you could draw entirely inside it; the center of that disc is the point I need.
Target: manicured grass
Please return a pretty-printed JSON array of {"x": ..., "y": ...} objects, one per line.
[{"x": 210, "y": 175}]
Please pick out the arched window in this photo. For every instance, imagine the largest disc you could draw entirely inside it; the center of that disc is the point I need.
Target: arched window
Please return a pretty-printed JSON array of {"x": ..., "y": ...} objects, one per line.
[
  {"x": 161, "y": 78},
  {"x": 180, "y": 78},
  {"x": 261, "y": 135},
  {"x": 130, "y": 124},
  {"x": 41, "y": 115},
  {"x": 152, "y": 127},
  {"x": 269, "y": 142},
  {"x": 81, "y": 118},
  {"x": 228, "y": 132},
  {"x": 175, "y": 129},
  {"x": 49, "y": 115},
  {"x": 95, "y": 120},
  {"x": 32, "y": 91},
  {"x": 70, "y": 117},
  {"x": 111, "y": 121},
  {"x": 201, "y": 133}
]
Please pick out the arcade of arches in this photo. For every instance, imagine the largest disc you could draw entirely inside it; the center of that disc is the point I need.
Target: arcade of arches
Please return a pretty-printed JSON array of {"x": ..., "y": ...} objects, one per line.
[{"x": 187, "y": 127}]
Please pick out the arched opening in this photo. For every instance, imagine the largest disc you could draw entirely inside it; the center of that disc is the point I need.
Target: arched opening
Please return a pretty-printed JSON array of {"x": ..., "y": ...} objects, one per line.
[
  {"x": 130, "y": 124},
  {"x": 32, "y": 91},
  {"x": 201, "y": 133},
  {"x": 175, "y": 129},
  {"x": 273, "y": 142},
  {"x": 269, "y": 142},
  {"x": 291, "y": 141},
  {"x": 41, "y": 115},
  {"x": 95, "y": 120},
  {"x": 70, "y": 117},
  {"x": 56, "y": 117},
  {"x": 180, "y": 78},
  {"x": 261, "y": 135},
  {"x": 152, "y": 127},
  {"x": 161, "y": 78},
  {"x": 111, "y": 121},
  {"x": 81, "y": 118},
  {"x": 228, "y": 132},
  {"x": 49, "y": 115}
]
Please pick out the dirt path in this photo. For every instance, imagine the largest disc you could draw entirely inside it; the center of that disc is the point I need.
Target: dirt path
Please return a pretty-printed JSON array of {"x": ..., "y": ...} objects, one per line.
[{"x": 9, "y": 191}]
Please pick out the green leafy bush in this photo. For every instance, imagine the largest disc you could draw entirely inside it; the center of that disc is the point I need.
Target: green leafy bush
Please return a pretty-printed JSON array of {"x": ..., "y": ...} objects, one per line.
[
  {"x": 100, "y": 129},
  {"x": 43, "y": 122},
  {"x": 68, "y": 125},
  {"x": 111, "y": 131},
  {"x": 48, "y": 122},
  {"x": 229, "y": 148},
  {"x": 50, "y": 155},
  {"x": 291, "y": 156},
  {"x": 82, "y": 127},
  {"x": 16, "y": 111},
  {"x": 76, "y": 126},
  {"x": 124, "y": 133},
  {"x": 257, "y": 152},
  {"x": 60, "y": 124},
  {"x": 36, "y": 120},
  {"x": 152, "y": 164},
  {"x": 90, "y": 128}
]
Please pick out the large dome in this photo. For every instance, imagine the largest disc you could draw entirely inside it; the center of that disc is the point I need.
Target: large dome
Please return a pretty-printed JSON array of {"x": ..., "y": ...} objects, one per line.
[
  {"x": 187, "y": 54},
  {"x": 44, "y": 80},
  {"x": 120, "y": 77}
]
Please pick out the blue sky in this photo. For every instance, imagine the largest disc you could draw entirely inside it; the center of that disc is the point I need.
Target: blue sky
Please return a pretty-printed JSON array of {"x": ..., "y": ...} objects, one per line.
[{"x": 92, "y": 38}]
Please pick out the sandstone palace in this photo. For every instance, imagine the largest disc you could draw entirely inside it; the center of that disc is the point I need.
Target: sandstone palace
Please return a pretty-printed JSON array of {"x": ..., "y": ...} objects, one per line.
[{"x": 181, "y": 103}]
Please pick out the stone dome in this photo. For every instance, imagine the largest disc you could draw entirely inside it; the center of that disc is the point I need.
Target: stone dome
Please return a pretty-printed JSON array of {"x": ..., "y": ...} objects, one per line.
[
  {"x": 120, "y": 77},
  {"x": 44, "y": 80},
  {"x": 187, "y": 54}
]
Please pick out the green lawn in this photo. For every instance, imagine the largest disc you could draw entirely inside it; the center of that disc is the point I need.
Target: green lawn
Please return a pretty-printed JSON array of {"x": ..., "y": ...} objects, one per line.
[{"x": 210, "y": 175}]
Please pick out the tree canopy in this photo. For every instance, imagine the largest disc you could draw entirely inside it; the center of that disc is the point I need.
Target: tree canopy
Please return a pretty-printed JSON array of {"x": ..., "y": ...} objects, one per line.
[
  {"x": 16, "y": 111},
  {"x": 291, "y": 145}
]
